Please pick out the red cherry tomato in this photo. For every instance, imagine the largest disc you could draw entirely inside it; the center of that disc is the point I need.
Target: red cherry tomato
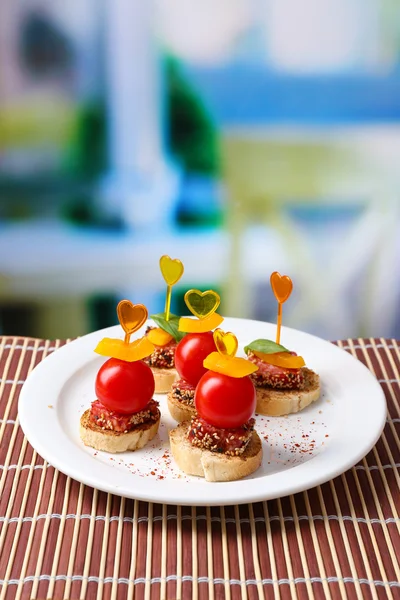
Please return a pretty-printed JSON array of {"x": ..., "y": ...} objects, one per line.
[
  {"x": 190, "y": 353},
  {"x": 225, "y": 401},
  {"x": 125, "y": 387}
]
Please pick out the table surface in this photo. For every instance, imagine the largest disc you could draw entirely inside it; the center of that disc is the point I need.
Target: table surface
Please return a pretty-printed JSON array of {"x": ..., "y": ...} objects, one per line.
[{"x": 62, "y": 539}]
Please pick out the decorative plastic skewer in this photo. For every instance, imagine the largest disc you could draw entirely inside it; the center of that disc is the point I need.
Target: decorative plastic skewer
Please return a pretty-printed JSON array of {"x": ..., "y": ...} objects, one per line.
[
  {"x": 225, "y": 360},
  {"x": 203, "y": 306},
  {"x": 226, "y": 342},
  {"x": 172, "y": 270},
  {"x": 282, "y": 287},
  {"x": 131, "y": 318}
]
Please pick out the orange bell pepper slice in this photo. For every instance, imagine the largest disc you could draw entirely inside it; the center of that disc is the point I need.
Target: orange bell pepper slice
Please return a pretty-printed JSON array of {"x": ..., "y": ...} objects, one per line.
[
  {"x": 189, "y": 325},
  {"x": 159, "y": 337},
  {"x": 229, "y": 365},
  {"x": 137, "y": 350},
  {"x": 282, "y": 359}
]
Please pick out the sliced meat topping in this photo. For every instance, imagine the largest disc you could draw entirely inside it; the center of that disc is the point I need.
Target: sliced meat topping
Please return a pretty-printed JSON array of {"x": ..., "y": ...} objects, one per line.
[
  {"x": 232, "y": 442},
  {"x": 163, "y": 357},
  {"x": 183, "y": 392},
  {"x": 113, "y": 421},
  {"x": 276, "y": 377}
]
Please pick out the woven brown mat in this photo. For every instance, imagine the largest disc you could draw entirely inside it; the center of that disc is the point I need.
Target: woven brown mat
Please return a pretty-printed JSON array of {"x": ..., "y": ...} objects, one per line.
[{"x": 61, "y": 539}]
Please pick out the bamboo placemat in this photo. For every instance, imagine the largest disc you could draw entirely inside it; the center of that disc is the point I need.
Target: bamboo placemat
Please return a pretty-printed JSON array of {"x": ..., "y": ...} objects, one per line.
[{"x": 61, "y": 539}]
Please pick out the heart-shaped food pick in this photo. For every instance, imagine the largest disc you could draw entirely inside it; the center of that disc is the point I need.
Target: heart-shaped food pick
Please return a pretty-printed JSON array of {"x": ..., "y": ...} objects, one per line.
[
  {"x": 282, "y": 286},
  {"x": 171, "y": 269},
  {"x": 131, "y": 317},
  {"x": 224, "y": 361},
  {"x": 202, "y": 304},
  {"x": 226, "y": 343}
]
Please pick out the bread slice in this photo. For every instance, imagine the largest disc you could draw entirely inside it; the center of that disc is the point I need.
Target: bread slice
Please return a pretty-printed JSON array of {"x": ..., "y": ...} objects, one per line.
[
  {"x": 211, "y": 465},
  {"x": 113, "y": 441},
  {"x": 275, "y": 402},
  {"x": 164, "y": 378},
  {"x": 179, "y": 410}
]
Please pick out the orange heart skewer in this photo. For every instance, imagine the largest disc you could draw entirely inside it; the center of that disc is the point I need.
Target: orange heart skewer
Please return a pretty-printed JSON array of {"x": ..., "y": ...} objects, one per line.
[
  {"x": 131, "y": 317},
  {"x": 282, "y": 287}
]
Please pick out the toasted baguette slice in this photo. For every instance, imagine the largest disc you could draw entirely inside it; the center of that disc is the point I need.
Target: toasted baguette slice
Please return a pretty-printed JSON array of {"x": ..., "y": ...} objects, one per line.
[
  {"x": 211, "y": 465},
  {"x": 179, "y": 410},
  {"x": 275, "y": 403},
  {"x": 164, "y": 378},
  {"x": 112, "y": 441}
]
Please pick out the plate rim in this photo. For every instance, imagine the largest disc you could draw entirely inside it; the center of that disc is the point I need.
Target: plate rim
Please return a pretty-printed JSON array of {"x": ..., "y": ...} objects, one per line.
[{"x": 152, "y": 491}]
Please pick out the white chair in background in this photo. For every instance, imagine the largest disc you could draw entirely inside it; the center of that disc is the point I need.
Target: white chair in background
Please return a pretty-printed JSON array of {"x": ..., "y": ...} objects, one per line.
[{"x": 268, "y": 172}]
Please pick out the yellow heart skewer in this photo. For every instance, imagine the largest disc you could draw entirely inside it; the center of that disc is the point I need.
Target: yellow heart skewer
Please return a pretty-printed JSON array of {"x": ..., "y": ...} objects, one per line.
[
  {"x": 282, "y": 287},
  {"x": 167, "y": 309},
  {"x": 227, "y": 343},
  {"x": 224, "y": 361},
  {"x": 172, "y": 270},
  {"x": 202, "y": 304}
]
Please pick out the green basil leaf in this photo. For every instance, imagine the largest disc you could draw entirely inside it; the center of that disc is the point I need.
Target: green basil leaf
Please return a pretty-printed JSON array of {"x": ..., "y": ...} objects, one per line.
[
  {"x": 265, "y": 346},
  {"x": 170, "y": 326}
]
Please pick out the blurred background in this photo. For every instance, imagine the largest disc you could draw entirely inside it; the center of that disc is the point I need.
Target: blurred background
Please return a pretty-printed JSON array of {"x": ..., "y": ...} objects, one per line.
[{"x": 241, "y": 136}]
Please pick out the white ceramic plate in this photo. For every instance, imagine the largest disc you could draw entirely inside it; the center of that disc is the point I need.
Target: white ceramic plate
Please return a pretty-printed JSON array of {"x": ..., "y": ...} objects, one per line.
[{"x": 300, "y": 451}]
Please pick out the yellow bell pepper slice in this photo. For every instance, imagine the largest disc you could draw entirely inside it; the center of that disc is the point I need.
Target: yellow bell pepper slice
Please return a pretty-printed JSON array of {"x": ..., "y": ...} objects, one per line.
[
  {"x": 189, "y": 325},
  {"x": 137, "y": 350},
  {"x": 159, "y": 337},
  {"x": 282, "y": 359},
  {"x": 229, "y": 365}
]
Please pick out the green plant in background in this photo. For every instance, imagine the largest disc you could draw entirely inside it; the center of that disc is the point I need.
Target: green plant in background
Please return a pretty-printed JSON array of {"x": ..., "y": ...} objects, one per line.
[
  {"x": 192, "y": 139},
  {"x": 192, "y": 134},
  {"x": 86, "y": 161},
  {"x": 88, "y": 152}
]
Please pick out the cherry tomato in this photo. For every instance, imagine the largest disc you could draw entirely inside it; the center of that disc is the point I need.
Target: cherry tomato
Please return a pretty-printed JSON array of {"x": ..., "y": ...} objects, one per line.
[
  {"x": 190, "y": 353},
  {"x": 225, "y": 401},
  {"x": 125, "y": 387}
]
